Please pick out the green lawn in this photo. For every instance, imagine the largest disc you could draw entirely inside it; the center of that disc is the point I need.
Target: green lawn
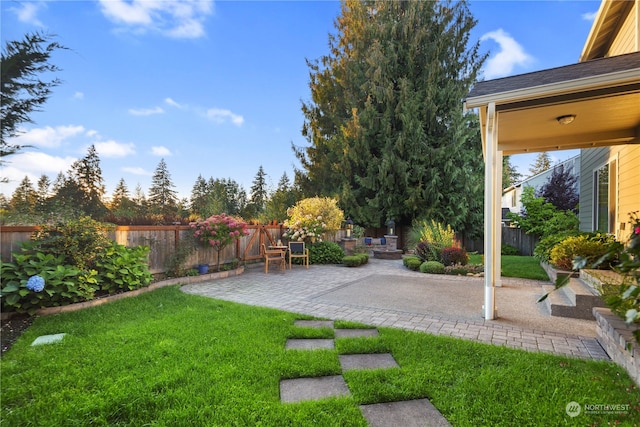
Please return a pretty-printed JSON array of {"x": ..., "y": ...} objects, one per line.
[
  {"x": 166, "y": 358},
  {"x": 525, "y": 267}
]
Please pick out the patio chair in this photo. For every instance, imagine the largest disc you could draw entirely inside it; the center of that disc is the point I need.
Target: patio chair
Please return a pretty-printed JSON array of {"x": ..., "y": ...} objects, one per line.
[
  {"x": 298, "y": 250},
  {"x": 273, "y": 255}
]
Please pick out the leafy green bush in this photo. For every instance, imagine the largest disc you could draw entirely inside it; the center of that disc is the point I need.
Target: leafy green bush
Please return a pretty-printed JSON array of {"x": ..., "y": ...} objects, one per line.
[
  {"x": 542, "y": 250},
  {"x": 454, "y": 255},
  {"x": 591, "y": 247},
  {"x": 355, "y": 260},
  {"x": 63, "y": 284},
  {"x": 325, "y": 253},
  {"x": 412, "y": 262},
  {"x": 509, "y": 250},
  {"x": 542, "y": 218},
  {"x": 432, "y": 267},
  {"x": 123, "y": 268},
  {"x": 79, "y": 242}
]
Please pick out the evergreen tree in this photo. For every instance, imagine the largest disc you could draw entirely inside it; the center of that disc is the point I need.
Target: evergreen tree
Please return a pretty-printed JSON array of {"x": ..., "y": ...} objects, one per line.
[
  {"x": 282, "y": 199},
  {"x": 236, "y": 197},
  {"x": 542, "y": 163},
  {"x": 43, "y": 194},
  {"x": 24, "y": 197},
  {"x": 68, "y": 198},
  {"x": 87, "y": 175},
  {"x": 139, "y": 201},
  {"x": 510, "y": 174},
  {"x": 163, "y": 198},
  {"x": 200, "y": 198},
  {"x": 120, "y": 195},
  {"x": 259, "y": 194},
  {"x": 561, "y": 189},
  {"x": 385, "y": 126},
  {"x": 22, "y": 93}
]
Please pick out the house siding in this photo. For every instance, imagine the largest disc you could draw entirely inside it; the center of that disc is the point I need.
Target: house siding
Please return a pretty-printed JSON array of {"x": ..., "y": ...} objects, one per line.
[
  {"x": 626, "y": 40},
  {"x": 628, "y": 184}
]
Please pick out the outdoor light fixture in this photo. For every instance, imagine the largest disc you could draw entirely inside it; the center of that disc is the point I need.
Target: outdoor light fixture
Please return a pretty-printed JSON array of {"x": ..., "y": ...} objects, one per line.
[
  {"x": 565, "y": 120},
  {"x": 349, "y": 223},
  {"x": 391, "y": 225}
]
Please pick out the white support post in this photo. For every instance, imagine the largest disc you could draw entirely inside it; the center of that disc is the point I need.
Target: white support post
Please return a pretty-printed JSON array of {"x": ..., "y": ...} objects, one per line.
[{"x": 492, "y": 198}]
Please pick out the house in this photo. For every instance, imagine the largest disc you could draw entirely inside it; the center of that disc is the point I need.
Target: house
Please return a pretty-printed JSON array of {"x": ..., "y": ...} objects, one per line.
[
  {"x": 511, "y": 195},
  {"x": 610, "y": 176},
  {"x": 593, "y": 105}
]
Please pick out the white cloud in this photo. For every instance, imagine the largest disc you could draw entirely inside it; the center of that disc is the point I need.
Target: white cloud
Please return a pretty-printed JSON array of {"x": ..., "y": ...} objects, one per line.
[
  {"x": 172, "y": 18},
  {"x": 589, "y": 16},
  {"x": 78, "y": 95},
  {"x": 32, "y": 164},
  {"x": 146, "y": 111},
  {"x": 160, "y": 151},
  {"x": 173, "y": 103},
  {"x": 113, "y": 148},
  {"x": 219, "y": 115},
  {"x": 511, "y": 54},
  {"x": 27, "y": 12},
  {"x": 136, "y": 171},
  {"x": 47, "y": 136}
]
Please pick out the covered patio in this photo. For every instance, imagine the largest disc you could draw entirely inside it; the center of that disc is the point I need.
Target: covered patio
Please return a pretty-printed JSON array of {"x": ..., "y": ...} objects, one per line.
[{"x": 585, "y": 105}]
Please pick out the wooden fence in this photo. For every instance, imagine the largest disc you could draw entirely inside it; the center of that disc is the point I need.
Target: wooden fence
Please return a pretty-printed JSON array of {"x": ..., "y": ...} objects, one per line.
[
  {"x": 525, "y": 243},
  {"x": 163, "y": 241}
]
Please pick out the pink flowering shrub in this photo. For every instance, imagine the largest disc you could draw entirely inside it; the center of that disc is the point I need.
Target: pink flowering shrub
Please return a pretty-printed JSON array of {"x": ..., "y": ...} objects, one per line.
[{"x": 219, "y": 231}]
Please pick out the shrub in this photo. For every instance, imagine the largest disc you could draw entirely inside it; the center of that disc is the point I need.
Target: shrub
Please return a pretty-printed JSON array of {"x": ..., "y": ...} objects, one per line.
[
  {"x": 325, "y": 253},
  {"x": 311, "y": 217},
  {"x": 454, "y": 255},
  {"x": 425, "y": 252},
  {"x": 542, "y": 250},
  {"x": 438, "y": 236},
  {"x": 509, "y": 250},
  {"x": 542, "y": 218},
  {"x": 412, "y": 262},
  {"x": 122, "y": 268},
  {"x": 432, "y": 267},
  {"x": 79, "y": 242},
  {"x": 355, "y": 260},
  {"x": 219, "y": 231},
  {"x": 63, "y": 284},
  {"x": 590, "y": 247}
]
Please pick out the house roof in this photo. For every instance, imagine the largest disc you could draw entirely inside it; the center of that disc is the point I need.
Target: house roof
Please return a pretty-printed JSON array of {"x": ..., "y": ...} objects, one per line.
[
  {"x": 603, "y": 94},
  {"x": 607, "y": 23}
]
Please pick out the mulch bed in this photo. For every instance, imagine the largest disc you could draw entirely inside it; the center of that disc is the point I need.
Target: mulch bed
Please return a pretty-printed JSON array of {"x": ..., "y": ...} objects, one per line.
[{"x": 11, "y": 329}]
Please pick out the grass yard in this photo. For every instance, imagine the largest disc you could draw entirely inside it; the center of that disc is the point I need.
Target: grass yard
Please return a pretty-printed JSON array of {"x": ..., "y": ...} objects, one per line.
[
  {"x": 166, "y": 358},
  {"x": 525, "y": 267}
]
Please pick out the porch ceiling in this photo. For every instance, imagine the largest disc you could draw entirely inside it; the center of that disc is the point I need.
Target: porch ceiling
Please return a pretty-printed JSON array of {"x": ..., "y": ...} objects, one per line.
[{"x": 603, "y": 94}]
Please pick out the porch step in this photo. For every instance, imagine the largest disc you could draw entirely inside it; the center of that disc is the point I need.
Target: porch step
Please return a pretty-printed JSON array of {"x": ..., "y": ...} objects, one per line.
[{"x": 575, "y": 300}]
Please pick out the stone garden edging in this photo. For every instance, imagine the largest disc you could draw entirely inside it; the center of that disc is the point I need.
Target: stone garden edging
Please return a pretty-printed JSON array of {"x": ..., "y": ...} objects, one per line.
[{"x": 157, "y": 285}]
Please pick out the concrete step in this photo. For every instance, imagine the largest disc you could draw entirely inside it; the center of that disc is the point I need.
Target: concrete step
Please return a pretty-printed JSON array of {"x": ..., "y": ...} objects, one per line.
[{"x": 575, "y": 300}]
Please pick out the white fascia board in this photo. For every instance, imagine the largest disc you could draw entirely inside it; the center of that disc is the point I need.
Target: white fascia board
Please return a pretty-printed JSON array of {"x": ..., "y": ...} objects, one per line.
[{"x": 616, "y": 78}]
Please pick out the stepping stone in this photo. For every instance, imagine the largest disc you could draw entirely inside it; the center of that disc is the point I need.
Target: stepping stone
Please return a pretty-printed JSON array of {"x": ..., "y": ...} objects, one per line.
[
  {"x": 299, "y": 389},
  {"x": 410, "y": 413},
  {"x": 309, "y": 344},
  {"x": 47, "y": 339},
  {"x": 356, "y": 333},
  {"x": 314, "y": 323},
  {"x": 350, "y": 362}
]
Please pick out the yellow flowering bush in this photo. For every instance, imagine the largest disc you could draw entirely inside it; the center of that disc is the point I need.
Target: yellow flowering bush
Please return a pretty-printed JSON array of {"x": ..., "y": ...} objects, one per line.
[{"x": 310, "y": 218}]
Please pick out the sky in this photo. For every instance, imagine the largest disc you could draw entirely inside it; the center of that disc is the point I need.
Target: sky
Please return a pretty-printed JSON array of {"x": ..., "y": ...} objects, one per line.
[{"x": 215, "y": 87}]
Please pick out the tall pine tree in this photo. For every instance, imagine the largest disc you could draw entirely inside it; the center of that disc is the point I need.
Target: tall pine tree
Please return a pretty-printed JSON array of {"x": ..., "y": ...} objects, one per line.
[
  {"x": 163, "y": 198},
  {"x": 541, "y": 164},
  {"x": 385, "y": 124}
]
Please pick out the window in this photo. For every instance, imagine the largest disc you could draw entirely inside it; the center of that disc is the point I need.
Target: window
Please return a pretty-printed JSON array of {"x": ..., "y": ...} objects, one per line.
[{"x": 604, "y": 206}]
